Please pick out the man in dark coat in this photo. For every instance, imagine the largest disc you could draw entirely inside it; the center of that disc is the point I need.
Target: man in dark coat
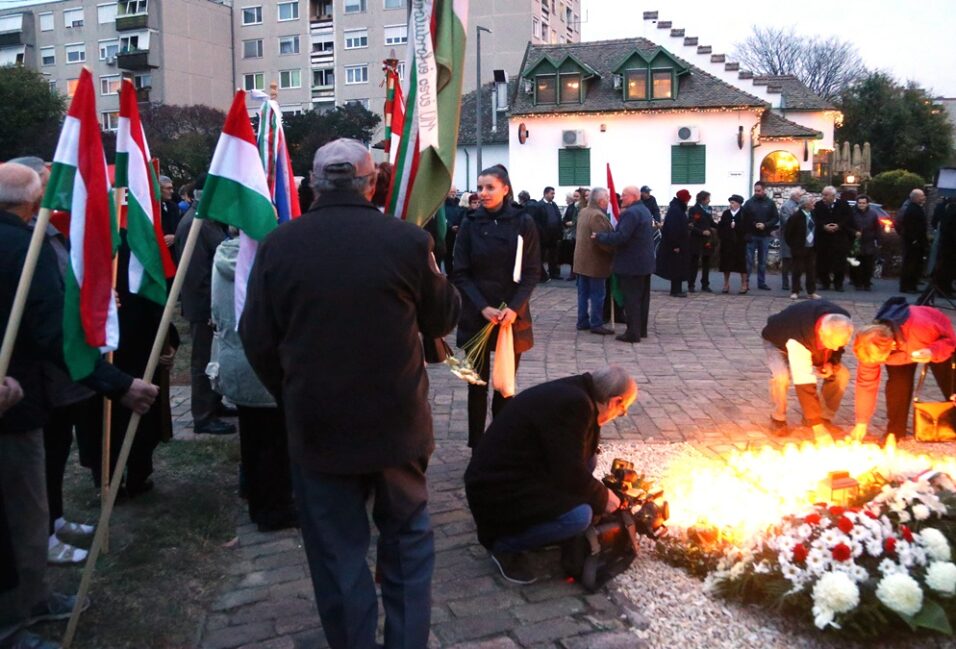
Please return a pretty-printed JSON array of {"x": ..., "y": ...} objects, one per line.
[
  {"x": 866, "y": 223},
  {"x": 169, "y": 208},
  {"x": 912, "y": 229},
  {"x": 650, "y": 203},
  {"x": 454, "y": 213},
  {"x": 673, "y": 256},
  {"x": 761, "y": 212},
  {"x": 800, "y": 233},
  {"x": 945, "y": 272},
  {"x": 336, "y": 337},
  {"x": 547, "y": 216},
  {"x": 633, "y": 240},
  {"x": 530, "y": 482},
  {"x": 702, "y": 229},
  {"x": 835, "y": 233}
]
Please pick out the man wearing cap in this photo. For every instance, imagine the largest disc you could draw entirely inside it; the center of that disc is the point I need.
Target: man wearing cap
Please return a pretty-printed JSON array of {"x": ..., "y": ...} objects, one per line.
[
  {"x": 650, "y": 203},
  {"x": 336, "y": 338}
]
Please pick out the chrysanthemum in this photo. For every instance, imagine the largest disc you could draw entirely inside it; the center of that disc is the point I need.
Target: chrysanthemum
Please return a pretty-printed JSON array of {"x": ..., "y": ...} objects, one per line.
[
  {"x": 901, "y": 593},
  {"x": 936, "y": 545},
  {"x": 834, "y": 593}
]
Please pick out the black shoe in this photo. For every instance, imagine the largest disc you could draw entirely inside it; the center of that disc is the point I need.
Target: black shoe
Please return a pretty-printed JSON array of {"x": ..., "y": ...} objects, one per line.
[
  {"x": 838, "y": 289},
  {"x": 279, "y": 520},
  {"x": 602, "y": 331},
  {"x": 705, "y": 289},
  {"x": 584, "y": 328},
  {"x": 691, "y": 289},
  {"x": 138, "y": 489},
  {"x": 779, "y": 428},
  {"x": 626, "y": 339},
  {"x": 678, "y": 294},
  {"x": 215, "y": 427},
  {"x": 513, "y": 566},
  {"x": 227, "y": 411},
  {"x": 27, "y": 640},
  {"x": 57, "y": 607},
  {"x": 764, "y": 287}
]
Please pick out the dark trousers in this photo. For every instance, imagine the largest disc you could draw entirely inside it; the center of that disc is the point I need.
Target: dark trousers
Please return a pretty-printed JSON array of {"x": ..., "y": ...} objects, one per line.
[
  {"x": 677, "y": 286},
  {"x": 205, "y": 401},
  {"x": 831, "y": 267},
  {"x": 703, "y": 263},
  {"x": 549, "y": 254},
  {"x": 87, "y": 418},
  {"x": 899, "y": 392},
  {"x": 912, "y": 268},
  {"x": 264, "y": 449},
  {"x": 637, "y": 303},
  {"x": 478, "y": 401},
  {"x": 336, "y": 533},
  {"x": 862, "y": 275},
  {"x": 139, "y": 465},
  {"x": 804, "y": 264},
  {"x": 786, "y": 267}
]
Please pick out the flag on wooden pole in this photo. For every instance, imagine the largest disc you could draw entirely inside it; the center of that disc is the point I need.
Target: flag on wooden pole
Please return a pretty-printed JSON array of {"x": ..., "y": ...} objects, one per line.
[
  {"x": 394, "y": 110},
  {"x": 150, "y": 264},
  {"x": 79, "y": 184},
  {"x": 615, "y": 214}
]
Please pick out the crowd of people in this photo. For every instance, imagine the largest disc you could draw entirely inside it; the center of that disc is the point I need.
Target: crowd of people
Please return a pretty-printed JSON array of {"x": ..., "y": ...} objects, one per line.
[{"x": 331, "y": 415}]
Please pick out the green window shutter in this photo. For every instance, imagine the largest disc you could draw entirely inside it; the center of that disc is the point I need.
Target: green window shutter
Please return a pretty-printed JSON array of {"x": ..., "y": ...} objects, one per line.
[
  {"x": 574, "y": 167},
  {"x": 688, "y": 164}
]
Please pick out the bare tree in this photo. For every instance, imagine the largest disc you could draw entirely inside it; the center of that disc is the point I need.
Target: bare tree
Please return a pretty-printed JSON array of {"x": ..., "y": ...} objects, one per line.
[{"x": 826, "y": 66}]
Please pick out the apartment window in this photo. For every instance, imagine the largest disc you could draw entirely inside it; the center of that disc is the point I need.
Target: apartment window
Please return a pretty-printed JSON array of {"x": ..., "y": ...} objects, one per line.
[
  {"x": 254, "y": 81},
  {"x": 141, "y": 81},
  {"x": 355, "y": 6},
  {"x": 396, "y": 34},
  {"x": 324, "y": 77},
  {"x": 288, "y": 45},
  {"x": 356, "y": 39},
  {"x": 326, "y": 45},
  {"x": 134, "y": 43},
  {"x": 46, "y": 22},
  {"x": 545, "y": 89},
  {"x": 554, "y": 37},
  {"x": 358, "y": 102},
  {"x": 133, "y": 7},
  {"x": 534, "y": 27},
  {"x": 355, "y": 74},
  {"x": 401, "y": 70},
  {"x": 636, "y": 84},
  {"x": 688, "y": 164},
  {"x": 110, "y": 120},
  {"x": 73, "y": 18},
  {"x": 662, "y": 82},
  {"x": 394, "y": 4},
  {"x": 290, "y": 78},
  {"x": 76, "y": 53},
  {"x": 544, "y": 32},
  {"x": 574, "y": 167},
  {"x": 71, "y": 85},
  {"x": 106, "y": 14},
  {"x": 47, "y": 56},
  {"x": 252, "y": 15},
  {"x": 52, "y": 83},
  {"x": 291, "y": 111},
  {"x": 568, "y": 17},
  {"x": 110, "y": 85},
  {"x": 288, "y": 11},
  {"x": 109, "y": 49},
  {"x": 252, "y": 49}
]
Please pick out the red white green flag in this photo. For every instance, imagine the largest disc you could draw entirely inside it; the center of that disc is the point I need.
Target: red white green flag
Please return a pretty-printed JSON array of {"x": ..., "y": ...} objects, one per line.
[
  {"x": 425, "y": 155},
  {"x": 394, "y": 111},
  {"x": 150, "y": 263},
  {"x": 236, "y": 190},
  {"x": 79, "y": 184}
]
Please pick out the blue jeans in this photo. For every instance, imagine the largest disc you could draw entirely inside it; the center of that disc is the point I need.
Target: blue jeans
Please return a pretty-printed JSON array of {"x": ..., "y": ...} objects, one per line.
[
  {"x": 759, "y": 245},
  {"x": 565, "y": 526},
  {"x": 590, "y": 289},
  {"x": 336, "y": 534}
]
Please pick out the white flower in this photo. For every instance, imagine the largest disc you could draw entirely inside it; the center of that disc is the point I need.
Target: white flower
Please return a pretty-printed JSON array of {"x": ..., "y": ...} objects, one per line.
[
  {"x": 904, "y": 516},
  {"x": 738, "y": 570},
  {"x": 790, "y": 572},
  {"x": 859, "y": 573},
  {"x": 834, "y": 593},
  {"x": 874, "y": 548},
  {"x": 900, "y": 593},
  {"x": 937, "y": 547},
  {"x": 890, "y": 567},
  {"x": 832, "y": 537},
  {"x": 941, "y": 577},
  {"x": 921, "y": 512},
  {"x": 817, "y": 561},
  {"x": 804, "y": 532},
  {"x": 762, "y": 568}
]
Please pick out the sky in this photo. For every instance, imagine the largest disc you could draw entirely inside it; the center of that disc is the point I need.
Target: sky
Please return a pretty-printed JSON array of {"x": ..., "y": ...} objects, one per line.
[{"x": 909, "y": 39}]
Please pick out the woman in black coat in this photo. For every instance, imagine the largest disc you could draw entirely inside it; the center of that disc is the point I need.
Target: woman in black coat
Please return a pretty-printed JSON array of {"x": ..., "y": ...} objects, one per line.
[
  {"x": 673, "y": 255},
  {"x": 732, "y": 230},
  {"x": 484, "y": 268}
]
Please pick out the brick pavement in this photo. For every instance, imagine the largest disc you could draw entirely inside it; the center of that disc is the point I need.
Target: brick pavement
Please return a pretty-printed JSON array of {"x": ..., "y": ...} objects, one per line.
[{"x": 702, "y": 380}]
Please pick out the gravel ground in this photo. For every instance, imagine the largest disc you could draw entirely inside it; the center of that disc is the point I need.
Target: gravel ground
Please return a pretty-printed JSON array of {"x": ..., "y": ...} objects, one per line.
[{"x": 680, "y": 614}]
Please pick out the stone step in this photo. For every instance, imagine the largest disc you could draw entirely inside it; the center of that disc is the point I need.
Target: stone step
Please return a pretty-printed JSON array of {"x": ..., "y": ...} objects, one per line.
[
  {"x": 677, "y": 32},
  {"x": 704, "y": 49},
  {"x": 745, "y": 74},
  {"x": 664, "y": 24},
  {"x": 731, "y": 67},
  {"x": 718, "y": 58},
  {"x": 690, "y": 40},
  {"x": 650, "y": 15}
]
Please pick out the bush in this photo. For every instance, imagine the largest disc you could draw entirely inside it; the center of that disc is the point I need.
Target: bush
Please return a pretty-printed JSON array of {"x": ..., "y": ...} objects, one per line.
[{"x": 891, "y": 188}]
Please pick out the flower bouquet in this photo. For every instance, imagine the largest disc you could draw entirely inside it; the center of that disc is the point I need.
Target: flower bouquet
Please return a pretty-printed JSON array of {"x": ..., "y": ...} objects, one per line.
[
  {"x": 854, "y": 258},
  {"x": 469, "y": 368}
]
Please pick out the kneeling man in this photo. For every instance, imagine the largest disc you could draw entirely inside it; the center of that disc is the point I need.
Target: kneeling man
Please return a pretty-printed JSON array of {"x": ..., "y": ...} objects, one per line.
[{"x": 530, "y": 482}]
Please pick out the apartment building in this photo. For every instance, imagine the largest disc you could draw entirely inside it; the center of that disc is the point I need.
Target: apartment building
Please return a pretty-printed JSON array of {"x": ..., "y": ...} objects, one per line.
[{"x": 175, "y": 51}]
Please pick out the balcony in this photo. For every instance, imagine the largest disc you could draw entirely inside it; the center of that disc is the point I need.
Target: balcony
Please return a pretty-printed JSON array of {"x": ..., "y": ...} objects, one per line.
[
  {"x": 323, "y": 93},
  {"x": 136, "y": 59},
  {"x": 323, "y": 59},
  {"x": 12, "y": 31},
  {"x": 131, "y": 21}
]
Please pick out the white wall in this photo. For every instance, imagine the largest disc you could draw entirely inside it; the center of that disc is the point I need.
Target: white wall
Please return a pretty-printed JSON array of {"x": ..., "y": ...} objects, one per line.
[
  {"x": 466, "y": 171},
  {"x": 638, "y": 147},
  {"x": 817, "y": 120}
]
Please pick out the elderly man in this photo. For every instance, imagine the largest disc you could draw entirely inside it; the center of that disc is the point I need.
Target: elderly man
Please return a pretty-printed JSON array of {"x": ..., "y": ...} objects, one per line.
[
  {"x": 170, "y": 212},
  {"x": 800, "y": 234},
  {"x": 633, "y": 240},
  {"x": 345, "y": 359},
  {"x": 530, "y": 482},
  {"x": 912, "y": 228},
  {"x": 788, "y": 209},
  {"x": 592, "y": 261},
  {"x": 835, "y": 233},
  {"x": 805, "y": 342},
  {"x": 22, "y": 470}
]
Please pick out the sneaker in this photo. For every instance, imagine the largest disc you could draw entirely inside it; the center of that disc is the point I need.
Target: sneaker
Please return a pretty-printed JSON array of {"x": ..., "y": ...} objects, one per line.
[
  {"x": 64, "y": 554},
  {"x": 513, "y": 566},
  {"x": 57, "y": 607},
  {"x": 814, "y": 296},
  {"x": 69, "y": 528},
  {"x": 794, "y": 296},
  {"x": 27, "y": 640},
  {"x": 779, "y": 428}
]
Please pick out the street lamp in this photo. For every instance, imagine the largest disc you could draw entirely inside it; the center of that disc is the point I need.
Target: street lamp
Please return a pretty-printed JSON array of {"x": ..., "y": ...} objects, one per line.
[{"x": 478, "y": 30}]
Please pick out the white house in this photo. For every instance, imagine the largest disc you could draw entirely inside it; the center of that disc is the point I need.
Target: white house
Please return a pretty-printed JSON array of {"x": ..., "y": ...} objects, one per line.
[{"x": 675, "y": 117}]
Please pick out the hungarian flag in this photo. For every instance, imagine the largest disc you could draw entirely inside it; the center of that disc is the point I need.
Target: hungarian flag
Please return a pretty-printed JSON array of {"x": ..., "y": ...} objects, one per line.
[
  {"x": 79, "y": 184},
  {"x": 149, "y": 262},
  {"x": 394, "y": 112},
  {"x": 236, "y": 191},
  {"x": 425, "y": 155},
  {"x": 615, "y": 215}
]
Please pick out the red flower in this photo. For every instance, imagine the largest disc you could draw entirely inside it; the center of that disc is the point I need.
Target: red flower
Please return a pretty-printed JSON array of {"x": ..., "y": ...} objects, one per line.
[
  {"x": 842, "y": 552},
  {"x": 872, "y": 515},
  {"x": 799, "y": 553},
  {"x": 907, "y": 534},
  {"x": 812, "y": 519},
  {"x": 836, "y": 510},
  {"x": 889, "y": 545},
  {"x": 845, "y": 525}
]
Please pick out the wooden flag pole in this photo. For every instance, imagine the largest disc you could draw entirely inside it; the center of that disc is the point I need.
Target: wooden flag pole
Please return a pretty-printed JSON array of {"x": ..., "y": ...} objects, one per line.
[
  {"x": 154, "y": 355},
  {"x": 23, "y": 289}
]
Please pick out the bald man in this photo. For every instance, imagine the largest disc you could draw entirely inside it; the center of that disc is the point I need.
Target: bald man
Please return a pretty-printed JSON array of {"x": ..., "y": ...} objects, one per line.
[{"x": 912, "y": 228}]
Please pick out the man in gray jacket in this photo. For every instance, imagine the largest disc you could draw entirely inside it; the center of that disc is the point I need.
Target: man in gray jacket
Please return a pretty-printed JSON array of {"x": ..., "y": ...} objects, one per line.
[{"x": 789, "y": 207}]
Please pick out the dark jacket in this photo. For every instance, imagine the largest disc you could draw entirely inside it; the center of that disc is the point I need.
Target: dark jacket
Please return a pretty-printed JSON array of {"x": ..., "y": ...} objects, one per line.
[
  {"x": 798, "y": 322},
  {"x": 840, "y": 213},
  {"x": 196, "y": 293},
  {"x": 761, "y": 210},
  {"x": 651, "y": 204},
  {"x": 40, "y": 336},
  {"x": 733, "y": 230},
  {"x": 531, "y": 465},
  {"x": 912, "y": 228},
  {"x": 633, "y": 239},
  {"x": 548, "y": 218},
  {"x": 171, "y": 216},
  {"x": 336, "y": 304},
  {"x": 867, "y": 223},
  {"x": 700, "y": 219},
  {"x": 484, "y": 270},
  {"x": 795, "y": 232},
  {"x": 674, "y": 235},
  {"x": 454, "y": 213}
]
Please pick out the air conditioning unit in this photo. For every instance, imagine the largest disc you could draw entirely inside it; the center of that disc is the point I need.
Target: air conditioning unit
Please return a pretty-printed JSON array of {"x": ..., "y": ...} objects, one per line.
[
  {"x": 574, "y": 139},
  {"x": 688, "y": 134},
  {"x": 111, "y": 60}
]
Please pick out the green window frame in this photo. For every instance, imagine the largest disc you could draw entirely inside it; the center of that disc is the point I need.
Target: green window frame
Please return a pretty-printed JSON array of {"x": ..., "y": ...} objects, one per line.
[
  {"x": 662, "y": 74},
  {"x": 570, "y": 88},
  {"x": 574, "y": 167},
  {"x": 688, "y": 164},
  {"x": 635, "y": 84},
  {"x": 546, "y": 89}
]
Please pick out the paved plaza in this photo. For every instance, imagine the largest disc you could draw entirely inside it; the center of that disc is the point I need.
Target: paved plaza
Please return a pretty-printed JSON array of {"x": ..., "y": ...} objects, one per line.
[{"x": 702, "y": 380}]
